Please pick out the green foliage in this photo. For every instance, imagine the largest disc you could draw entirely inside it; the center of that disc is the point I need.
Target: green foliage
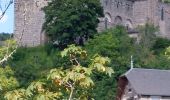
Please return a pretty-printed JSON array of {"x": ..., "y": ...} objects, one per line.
[
  {"x": 7, "y": 80},
  {"x": 15, "y": 95},
  {"x": 147, "y": 35},
  {"x": 115, "y": 44},
  {"x": 158, "y": 62},
  {"x": 89, "y": 75},
  {"x": 143, "y": 50},
  {"x": 73, "y": 81},
  {"x": 33, "y": 63},
  {"x": 68, "y": 19},
  {"x": 167, "y": 53},
  {"x": 165, "y": 1},
  {"x": 4, "y": 36},
  {"x": 160, "y": 45},
  {"x": 6, "y": 49}
]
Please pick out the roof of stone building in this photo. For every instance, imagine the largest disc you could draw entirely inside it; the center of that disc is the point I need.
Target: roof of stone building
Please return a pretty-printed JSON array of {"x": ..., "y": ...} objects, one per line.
[{"x": 149, "y": 81}]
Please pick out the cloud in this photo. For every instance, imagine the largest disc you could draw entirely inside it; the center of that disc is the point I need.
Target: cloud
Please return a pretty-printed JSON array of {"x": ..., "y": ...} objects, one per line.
[{"x": 4, "y": 18}]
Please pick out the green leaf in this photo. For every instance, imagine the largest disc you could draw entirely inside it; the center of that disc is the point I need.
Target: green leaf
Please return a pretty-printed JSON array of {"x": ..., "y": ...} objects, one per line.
[{"x": 109, "y": 71}]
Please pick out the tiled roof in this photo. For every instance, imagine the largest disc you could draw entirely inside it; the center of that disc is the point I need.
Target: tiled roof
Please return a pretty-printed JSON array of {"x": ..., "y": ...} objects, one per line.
[{"x": 150, "y": 81}]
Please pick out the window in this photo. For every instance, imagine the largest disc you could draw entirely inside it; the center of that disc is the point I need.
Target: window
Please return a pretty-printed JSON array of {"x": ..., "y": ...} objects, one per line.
[
  {"x": 131, "y": 98},
  {"x": 128, "y": 6},
  {"x": 118, "y": 20},
  {"x": 155, "y": 98},
  {"x": 106, "y": 23},
  {"x": 106, "y": 2},
  {"x": 162, "y": 14},
  {"x": 118, "y": 4},
  {"x": 107, "y": 20},
  {"x": 130, "y": 90}
]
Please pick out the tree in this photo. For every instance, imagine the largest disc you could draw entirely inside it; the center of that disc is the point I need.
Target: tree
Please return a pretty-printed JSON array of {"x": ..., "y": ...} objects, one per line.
[
  {"x": 4, "y": 36},
  {"x": 7, "y": 50},
  {"x": 113, "y": 43},
  {"x": 7, "y": 81},
  {"x": 70, "y": 83},
  {"x": 147, "y": 35},
  {"x": 67, "y": 20},
  {"x": 165, "y": 1}
]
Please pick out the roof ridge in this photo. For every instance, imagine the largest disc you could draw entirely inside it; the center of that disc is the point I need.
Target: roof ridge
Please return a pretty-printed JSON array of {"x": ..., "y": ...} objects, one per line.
[{"x": 152, "y": 69}]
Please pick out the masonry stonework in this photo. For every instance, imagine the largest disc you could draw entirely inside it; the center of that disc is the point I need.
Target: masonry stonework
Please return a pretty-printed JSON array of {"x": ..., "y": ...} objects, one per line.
[
  {"x": 129, "y": 13},
  {"x": 29, "y": 19}
]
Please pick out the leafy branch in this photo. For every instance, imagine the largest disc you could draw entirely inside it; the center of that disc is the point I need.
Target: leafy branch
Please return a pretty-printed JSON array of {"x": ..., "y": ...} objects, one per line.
[
  {"x": 68, "y": 83},
  {"x": 11, "y": 45}
]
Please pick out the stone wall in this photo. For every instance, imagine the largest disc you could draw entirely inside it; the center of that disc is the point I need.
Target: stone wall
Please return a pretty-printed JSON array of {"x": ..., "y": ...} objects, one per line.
[
  {"x": 29, "y": 19},
  {"x": 130, "y": 13},
  {"x": 145, "y": 11},
  {"x": 116, "y": 12},
  {"x": 151, "y": 11},
  {"x": 165, "y": 22}
]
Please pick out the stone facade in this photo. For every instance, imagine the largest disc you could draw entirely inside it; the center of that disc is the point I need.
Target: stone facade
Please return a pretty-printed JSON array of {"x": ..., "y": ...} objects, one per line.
[
  {"x": 29, "y": 19},
  {"x": 130, "y": 13},
  {"x": 116, "y": 12}
]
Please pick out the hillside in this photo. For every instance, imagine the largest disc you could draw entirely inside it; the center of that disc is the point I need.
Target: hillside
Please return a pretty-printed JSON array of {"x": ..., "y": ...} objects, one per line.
[{"x": 33, "y": 64}]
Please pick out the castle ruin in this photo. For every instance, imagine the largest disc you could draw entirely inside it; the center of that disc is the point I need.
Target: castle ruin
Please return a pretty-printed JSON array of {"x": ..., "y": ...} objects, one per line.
[
  {"x": 28, "y": 22},
  {"x": 129, "y": 13}
]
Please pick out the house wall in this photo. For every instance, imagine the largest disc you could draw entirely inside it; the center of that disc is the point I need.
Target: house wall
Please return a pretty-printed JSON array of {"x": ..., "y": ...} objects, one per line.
[
  {"x": 129, "y": 93},
  {"x": 134, "y": 96},
  {"x": 165, "y": 98},
  {"x": 150, "y": 98},
  {"x": 121, "y": 87}
]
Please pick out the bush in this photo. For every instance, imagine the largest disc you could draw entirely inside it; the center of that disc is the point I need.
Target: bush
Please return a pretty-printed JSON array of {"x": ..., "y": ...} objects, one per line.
[
  {"x": 33, "y": 63},
  {"x": 7, "y": 81},
  {"x": 160, "y": 45}
]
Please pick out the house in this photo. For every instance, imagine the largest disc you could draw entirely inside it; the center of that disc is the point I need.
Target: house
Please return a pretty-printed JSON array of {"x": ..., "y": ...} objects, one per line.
[{"x": 144, "y": 84}]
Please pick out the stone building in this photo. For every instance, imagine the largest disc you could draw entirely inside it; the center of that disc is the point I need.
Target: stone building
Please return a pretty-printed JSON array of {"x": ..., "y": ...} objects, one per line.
[
  {"x": 28, "y": 22},
  {"x": 144, "y": 84},
  {"x": 130, "y": 13}
]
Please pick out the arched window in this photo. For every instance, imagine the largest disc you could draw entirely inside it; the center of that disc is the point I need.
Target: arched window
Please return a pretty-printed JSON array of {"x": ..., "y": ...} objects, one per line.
[
  {"x": 128, "y": 24},
  {"x": 108, "y": 20},
  {"x": 106, "y": 23},
  {"x": 118, "y": 20}
]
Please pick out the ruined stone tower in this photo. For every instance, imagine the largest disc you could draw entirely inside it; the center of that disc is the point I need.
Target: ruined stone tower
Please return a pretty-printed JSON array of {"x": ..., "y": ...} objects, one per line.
[{"x": 29, "y": 17}]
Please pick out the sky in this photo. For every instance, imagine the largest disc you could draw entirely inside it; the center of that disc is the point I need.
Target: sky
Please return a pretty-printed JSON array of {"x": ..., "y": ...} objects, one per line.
[{"x": 7, "y": 22}]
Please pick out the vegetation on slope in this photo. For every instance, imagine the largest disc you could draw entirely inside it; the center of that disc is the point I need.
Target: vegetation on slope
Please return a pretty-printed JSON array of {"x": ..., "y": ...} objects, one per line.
[
  {"x": 4, "y": 36},
  {"x": 33, "y": 64}
]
